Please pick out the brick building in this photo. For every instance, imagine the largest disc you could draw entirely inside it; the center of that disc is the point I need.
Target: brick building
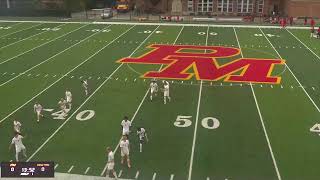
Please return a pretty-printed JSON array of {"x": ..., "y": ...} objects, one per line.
[{"x": 238, "y": 7}]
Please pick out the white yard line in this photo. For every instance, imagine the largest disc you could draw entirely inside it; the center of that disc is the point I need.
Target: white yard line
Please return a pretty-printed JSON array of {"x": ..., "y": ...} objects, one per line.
[
  {"x": 21, "y": 30},
  {"x": 91, "y": 95},
  {"x": 261, "y": 118},
  {"x": 41, "y": 32},
  {"x": 304, "y": 90},
  {"x": 115, "y": 150},
  {"x": 48, "y": 59},
  {"x": 167, "y": 24},
  {"x": 143, "y": 99},
  {"x": 196, "y": 123},
  {"x": 41, "y": 45},
  {"x": 64, "y": 75},
  {"x": 304, "y": 44}
]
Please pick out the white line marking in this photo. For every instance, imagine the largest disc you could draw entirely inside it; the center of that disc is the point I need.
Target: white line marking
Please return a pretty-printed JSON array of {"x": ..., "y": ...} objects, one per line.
[
  {"x": 65, "y": 74},
  {"x": 120, "y": 173},
  {"x": 115, "y": 150},
  {"x": 261, "y": 118},
  {"x": 154, "y": 176},
  {"x": 48, "y": 59},
  {"x": 172, "y": 176},
  {"x": 304, "y": 44},
  {"x": 27, "y": 38},
  {"x": 137, "y": 175},
  {"x": 314, "y": 104},
  {"x": 87, "y": 170},
  {"x": 21, "y": 30},
  {"x": 56, "y": 166},
  {"x": 40, "y": 45},
  {"x": 196, "y": 123},
  {"x": 70, "y": 169}
]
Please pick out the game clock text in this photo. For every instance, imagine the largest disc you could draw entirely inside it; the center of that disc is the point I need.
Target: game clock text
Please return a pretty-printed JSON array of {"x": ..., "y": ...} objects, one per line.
[{"x": 27, "y": 169}]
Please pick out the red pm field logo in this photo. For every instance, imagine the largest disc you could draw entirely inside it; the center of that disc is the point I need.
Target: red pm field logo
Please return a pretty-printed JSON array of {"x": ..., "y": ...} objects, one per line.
[{"x": 205, "y": 65}]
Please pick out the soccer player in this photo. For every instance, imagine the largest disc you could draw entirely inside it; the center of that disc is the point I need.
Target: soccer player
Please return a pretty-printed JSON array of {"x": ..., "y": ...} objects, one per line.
[
  {"x": 312, "y": 32},
  {"x": 17, "y": 141},
  {"x": 318, "y": 33},
  {"x": 125, "y": 126},
  {"x": 63, "y": 106},
  {"x": 85, "y": 86},
  {"x": 110, "y": 163},
  {"x": 69, "y": 98},
  {"x": 166, "y": 89},
  {"x": 153, "y": 89},
  {"x": 125, "y": 151},
  {"x": 38, "y": 109},
  {"x": 142, "y": 134},
  {"x": 17, "y": 126}
]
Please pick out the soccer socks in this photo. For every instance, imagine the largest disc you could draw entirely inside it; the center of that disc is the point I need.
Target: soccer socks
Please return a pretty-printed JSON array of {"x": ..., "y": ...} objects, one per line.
[
  {"x": 151, "y": 97},
  {"x": 140, "y": 147},
  {"x": 17, "y": 157},
  {"x": 115, "y": 174}
]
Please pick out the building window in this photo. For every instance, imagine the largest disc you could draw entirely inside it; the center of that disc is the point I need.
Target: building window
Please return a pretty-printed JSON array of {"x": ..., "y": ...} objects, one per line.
[
  {"x": 205, "y": 6},
  {"x": 245, "y": 6},
  {"x": 260, "y": 4},
  {"x": 225, "y": 6},
  {"x": 190, "y": 5}
]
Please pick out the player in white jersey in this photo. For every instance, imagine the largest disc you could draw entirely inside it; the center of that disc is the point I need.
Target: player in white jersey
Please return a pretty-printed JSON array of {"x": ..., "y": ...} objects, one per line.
[
  {"x": 69, "y": 98},
  {"x": 17, "y": 141},
  {"x": 166, "y": 88},
  {"x": 63, "y": 106},
  {"x": 142, "y": 134},
  {"x": 125, "y": 150},
  {"x": 17, "y": 126},
  {"x": 85, "y": 86},
  {"x": 38, "y": 109},
  {"x": 153, "y": 89},
  {"x": 110, "y": 163},
  {"x": 125, "y": 126}
]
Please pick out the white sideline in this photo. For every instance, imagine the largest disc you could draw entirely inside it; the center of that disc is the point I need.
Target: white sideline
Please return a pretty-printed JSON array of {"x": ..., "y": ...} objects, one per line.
[
  {"x": 88, "y": 98},
  {"x": 315, "y": 105},
  {"x": 62, "y": 77},
  {"x": 137, "y": 48},
  {"x": 41, "y": 32},
  {"x": 165, "y": 24},
  {"x": 196, "y": 123},
  {"x": 41, "y": 45},
  {"x": 261, "y": 118},
  {"x": 20, "y": 29},
  {"x": 57, "y": 54}
]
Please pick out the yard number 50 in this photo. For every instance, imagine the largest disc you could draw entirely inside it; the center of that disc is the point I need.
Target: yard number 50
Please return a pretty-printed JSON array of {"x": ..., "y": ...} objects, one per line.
[{"x": 208, "y": 122}]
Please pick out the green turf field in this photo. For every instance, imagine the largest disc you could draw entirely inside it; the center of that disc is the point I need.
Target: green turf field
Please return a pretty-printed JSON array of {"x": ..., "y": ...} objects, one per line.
[{"x": 211, "y": 130}]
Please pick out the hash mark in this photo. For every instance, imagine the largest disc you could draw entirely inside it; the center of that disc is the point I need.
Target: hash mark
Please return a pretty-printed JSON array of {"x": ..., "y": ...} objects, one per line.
[
  {"x": 54, "y": 75},
  {"x": 313, "y": 88},
  {"x": 72, "y": 77},
  {"x": 120, "y": 173},
  {"x": 87, "y": 170},
  {"x": 117, "y": 79},
  {"x": 70, "y": 169}
]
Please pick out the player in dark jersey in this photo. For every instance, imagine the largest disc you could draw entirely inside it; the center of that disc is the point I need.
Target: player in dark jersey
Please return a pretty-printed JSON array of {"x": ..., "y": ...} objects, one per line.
[{"x": 142, "y": 135}]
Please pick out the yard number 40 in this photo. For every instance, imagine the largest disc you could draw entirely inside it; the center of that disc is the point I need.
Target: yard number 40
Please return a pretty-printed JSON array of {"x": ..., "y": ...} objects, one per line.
[{"x": 208, "y": 122}]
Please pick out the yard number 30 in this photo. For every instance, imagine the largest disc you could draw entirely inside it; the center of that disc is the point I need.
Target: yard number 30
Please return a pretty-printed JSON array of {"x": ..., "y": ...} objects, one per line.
[{"x": 208, "y": 122}]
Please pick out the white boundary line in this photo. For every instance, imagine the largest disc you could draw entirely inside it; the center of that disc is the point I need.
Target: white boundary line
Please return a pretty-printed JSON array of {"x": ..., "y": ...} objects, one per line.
[
  {"x": 315, "y": 105},
  {"x": 115, "y": 150},
  {"x": 64, "y": 76},
  {"x": 91, "y": 95},
  {"x": 166, "y": 24},
  {"x": 303, "y": 44},
  {"x": 48, "y": 59},
  {"x": 21, "y": 29},
  {"x": 2, "y": 62},
  {"x": 261, "y": 118},
  {"x": 197, "y": 120},
  {"x": 41, "y": 32}
]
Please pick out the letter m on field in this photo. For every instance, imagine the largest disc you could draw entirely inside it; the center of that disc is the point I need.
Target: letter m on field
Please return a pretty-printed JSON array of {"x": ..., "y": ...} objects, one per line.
[{"x": 179, "y": 60}]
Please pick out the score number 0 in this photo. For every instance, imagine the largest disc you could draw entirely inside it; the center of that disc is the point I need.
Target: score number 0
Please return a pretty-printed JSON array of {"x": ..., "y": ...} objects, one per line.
[{"x": 207, "y": 122}]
